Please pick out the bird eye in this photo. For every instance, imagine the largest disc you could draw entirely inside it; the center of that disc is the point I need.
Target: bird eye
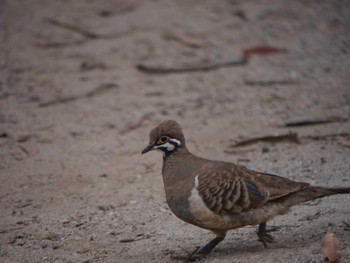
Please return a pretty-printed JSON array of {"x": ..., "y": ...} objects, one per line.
[{"x": 163, "y": 139}]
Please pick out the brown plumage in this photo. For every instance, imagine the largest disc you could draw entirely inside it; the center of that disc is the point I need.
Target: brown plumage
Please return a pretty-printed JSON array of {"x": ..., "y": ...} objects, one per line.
[{"x": 220, "y": 196}]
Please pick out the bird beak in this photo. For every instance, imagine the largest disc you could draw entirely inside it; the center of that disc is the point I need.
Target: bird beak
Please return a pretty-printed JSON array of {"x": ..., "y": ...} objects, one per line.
[{"x": 148, "y": 148}]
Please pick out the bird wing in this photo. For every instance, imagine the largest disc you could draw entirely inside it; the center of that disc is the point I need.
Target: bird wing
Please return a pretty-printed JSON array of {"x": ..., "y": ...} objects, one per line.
[{"x": 230, "y": 189}]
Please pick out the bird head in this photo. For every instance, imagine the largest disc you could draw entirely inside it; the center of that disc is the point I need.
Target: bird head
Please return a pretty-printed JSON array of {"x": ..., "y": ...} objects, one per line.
[{"x": 166, "y": 137}]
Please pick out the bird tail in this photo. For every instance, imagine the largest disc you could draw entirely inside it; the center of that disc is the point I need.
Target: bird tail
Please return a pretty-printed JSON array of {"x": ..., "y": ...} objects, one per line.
[{"x": 311, "y": 193}]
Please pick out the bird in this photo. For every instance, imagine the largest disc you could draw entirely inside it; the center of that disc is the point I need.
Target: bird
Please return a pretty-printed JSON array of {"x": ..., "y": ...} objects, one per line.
[{"x": 220, "y": 196}]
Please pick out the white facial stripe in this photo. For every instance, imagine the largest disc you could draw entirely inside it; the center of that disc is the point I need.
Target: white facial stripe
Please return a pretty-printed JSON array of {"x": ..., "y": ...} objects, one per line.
[
  {"x": 175, "y": 141},
  {"x": 169, "y": 146}
]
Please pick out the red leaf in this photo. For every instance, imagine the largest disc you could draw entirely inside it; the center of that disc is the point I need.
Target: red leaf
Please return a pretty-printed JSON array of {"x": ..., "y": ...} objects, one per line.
[{"x": 261, "y": 50}]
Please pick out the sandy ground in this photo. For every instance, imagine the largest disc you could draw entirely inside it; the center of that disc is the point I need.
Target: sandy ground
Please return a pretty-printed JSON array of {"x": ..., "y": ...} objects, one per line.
[{"x": 75, "y": 113}]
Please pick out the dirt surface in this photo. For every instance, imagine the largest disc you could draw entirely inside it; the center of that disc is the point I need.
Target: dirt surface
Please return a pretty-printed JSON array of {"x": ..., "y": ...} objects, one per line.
[{"x": 76, "y": 112}]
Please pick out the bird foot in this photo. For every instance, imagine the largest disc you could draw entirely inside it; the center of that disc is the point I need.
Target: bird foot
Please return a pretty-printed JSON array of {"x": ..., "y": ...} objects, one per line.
[
  {"x": 196, "y": 255},
  {"x": 264, "y": 237}
]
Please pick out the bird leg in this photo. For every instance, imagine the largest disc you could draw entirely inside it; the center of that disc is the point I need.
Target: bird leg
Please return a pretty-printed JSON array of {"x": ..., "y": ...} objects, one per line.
[
  {"x": 199, "y": 253},
  {"x": 264, "y": 237}
]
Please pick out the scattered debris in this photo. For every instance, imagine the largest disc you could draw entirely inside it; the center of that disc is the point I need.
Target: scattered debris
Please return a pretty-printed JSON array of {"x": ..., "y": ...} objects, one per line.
[
  {"x": 347, "y": 145},
  {"x": 23, "y": 149},
  {"x": 311, "y": 217},
  {"x": 331, "y": 247},
  {"x": 312, "y": 120},
  {"x": 23, "y": 137},
  {"x": 105, "y": 208},
  {"x": 23, "y": 204},
  {"x": 241, "y": 14},
  {"x": 4, "y": 135},
  {"x": 52, "y": 236},
  {"x": 290, "y": 137},
  {"x": 100, "y": 89},
  {"x": 312, "y": 202},
  {"x": 92, "y": 65}
]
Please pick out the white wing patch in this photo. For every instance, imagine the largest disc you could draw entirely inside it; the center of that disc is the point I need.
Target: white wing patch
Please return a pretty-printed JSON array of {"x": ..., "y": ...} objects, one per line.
[{"x": 201, "y": 211}]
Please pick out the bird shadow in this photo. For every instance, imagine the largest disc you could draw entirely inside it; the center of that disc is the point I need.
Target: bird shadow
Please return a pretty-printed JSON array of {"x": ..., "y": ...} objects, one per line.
[{"x": 249, "y": 244}]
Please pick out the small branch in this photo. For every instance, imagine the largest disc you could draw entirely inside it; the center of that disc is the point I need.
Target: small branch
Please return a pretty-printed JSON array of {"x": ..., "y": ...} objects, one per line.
[
  {"x": 94, "y": 92},
  {"x": 290, "y": 137}
]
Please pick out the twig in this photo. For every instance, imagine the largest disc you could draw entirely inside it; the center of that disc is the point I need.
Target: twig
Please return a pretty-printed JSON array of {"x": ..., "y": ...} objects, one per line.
[
  {"x": 347, "y": 226},
  {"x": 136, "y": 125},
  {"x": 186, "y": 39},
  {"x": 128, "y": 240},
  {"x": 269, "y": 82},
  {"x": 246, "y": 54},
  {"x": 100, "y": 89},
  {"x": 96, "y": 91},
  {"x": 313, "y": 121},
  {"x": 188, "y": 257},
  {"x": 24, "y": 150},
  {"x": 311, "y": 217},
  {"x": 313, "y": 203},
  {"x": 57, "y": 44},
  {"x": 290, "y": 137},
  {"x": 278, "y": 227},
  {"x": 153, "y": 69},
  {"x": 81, "y": 31},
  {"x": 70, "y": 27},
  {"x": 326, "y": 136}
]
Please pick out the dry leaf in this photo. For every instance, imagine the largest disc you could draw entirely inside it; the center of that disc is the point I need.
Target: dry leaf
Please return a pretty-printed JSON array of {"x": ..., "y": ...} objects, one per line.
[
  {"x": 331, "y": 246},
  {"x": 261, "y": 51}
]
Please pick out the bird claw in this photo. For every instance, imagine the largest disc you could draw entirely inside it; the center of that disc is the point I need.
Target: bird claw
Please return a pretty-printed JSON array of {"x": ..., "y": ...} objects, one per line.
[
  {"x": 196, "y": 255},
  {"x": 264, "y": 237}
]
